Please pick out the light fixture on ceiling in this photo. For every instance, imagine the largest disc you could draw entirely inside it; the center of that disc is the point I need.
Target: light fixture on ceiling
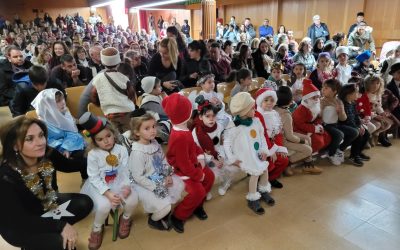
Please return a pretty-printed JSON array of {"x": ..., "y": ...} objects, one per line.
[
  {"x": 103, "y": 4},
  {"x": 158, "y": 4}
]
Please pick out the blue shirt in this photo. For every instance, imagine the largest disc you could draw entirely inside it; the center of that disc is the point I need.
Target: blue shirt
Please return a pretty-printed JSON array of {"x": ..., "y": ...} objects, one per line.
[{"x": 266, "y": 30}]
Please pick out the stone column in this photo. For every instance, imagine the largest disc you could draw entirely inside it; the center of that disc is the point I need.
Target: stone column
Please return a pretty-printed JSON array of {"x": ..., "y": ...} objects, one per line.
[{"x": 209, "y": 20}]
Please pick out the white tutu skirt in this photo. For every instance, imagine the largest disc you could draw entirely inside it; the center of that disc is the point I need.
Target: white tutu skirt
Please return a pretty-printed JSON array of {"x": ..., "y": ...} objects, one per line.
[{"x": 152, "y": 204}]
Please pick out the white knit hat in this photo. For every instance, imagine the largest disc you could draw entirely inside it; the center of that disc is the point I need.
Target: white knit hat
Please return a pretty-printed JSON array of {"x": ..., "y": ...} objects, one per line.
[
  {"x": 342, "y": 50},
  {"x": 148, "y": 83},
  {"x": 241, "y": 104},
  {"x": 110, "y": 57}
]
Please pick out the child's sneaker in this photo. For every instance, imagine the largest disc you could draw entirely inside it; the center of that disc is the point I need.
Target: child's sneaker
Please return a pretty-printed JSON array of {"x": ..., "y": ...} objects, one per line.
[
  {"x": 335, "y": 159},
  {"x": 161, "y": 225},
  {"x": 309, "y": 168},
  {"x": 364, "y": 157},
  {"x": 356, "y": 161},
  {"x": 95, "y": 240},
  {"x": 124, "y": 227},
  {"x": 256, "y": 207},
  {"x": 209, "y": 196},
  {"x": 340, "y": 154},
  {"x": 224, "y": 187}
]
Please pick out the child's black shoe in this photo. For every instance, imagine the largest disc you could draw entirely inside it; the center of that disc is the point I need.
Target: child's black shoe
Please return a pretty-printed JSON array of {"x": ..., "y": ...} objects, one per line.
[
  {"x": 177, "y": 224},
  {"x": 267, "y": 198},
  {"x": 256, "y": 207},
  {"x": 200, "y": 213},
  {"x": 162, "y": 225},
  {"x": 356, "y": 161},
  {"x": 364, "y": 157},
  {"x": 276, "y": 184}
]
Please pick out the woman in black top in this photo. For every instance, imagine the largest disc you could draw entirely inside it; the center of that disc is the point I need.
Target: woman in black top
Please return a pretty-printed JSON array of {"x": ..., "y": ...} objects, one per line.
[
  {"x": 244, "y": 59},
  {"x": 196, "y": 66},
  {"x": 263, "y": 59},
  {"x": 166, "y": 65},
  {"x": 35, "y": 215}
]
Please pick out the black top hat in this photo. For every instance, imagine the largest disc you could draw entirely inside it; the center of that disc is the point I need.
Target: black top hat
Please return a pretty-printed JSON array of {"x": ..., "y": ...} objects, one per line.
[
  {"x": 394, "y": 68},
  {"x": 92, "y": 123}
]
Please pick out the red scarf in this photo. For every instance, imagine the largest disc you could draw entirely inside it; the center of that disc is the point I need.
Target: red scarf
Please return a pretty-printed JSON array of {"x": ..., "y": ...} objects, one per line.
[{"x": 206, "y": 143}]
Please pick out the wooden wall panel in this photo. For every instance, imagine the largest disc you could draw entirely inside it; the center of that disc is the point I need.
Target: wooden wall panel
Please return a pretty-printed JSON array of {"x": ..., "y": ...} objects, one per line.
[
  {"x": 168, "y": 14},
  {"x": 196, "y": 24},
  {"x": 256, "y": 10},
  {"x": 383, "y": 16},
  {"x": 24, "y": 8},
  {"x": 338, "y": 14}
]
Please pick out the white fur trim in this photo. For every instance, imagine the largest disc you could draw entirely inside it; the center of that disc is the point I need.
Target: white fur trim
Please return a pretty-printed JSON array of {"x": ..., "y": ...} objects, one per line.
[
  {"x": 110, "y": 60},
  {"x": 273, "y": 149},
  {"x": 282, "y": 149},
  {"x": 266, "y": 188},
  {"x": 264, "y": 95},
  {"x": 312, "y": 94},
  {"x": 253, "y": 196}
]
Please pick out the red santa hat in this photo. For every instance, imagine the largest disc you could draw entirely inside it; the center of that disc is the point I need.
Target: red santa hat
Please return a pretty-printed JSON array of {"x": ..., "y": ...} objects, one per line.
[
  {"x": 263, "y": 93},
  {"x": 177, "y": 107},
  {"x": 309, "y": 90}
]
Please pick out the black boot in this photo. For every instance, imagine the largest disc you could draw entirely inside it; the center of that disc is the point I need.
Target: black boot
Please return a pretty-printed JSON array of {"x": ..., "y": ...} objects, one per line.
[
  {"x": 256, "y": 207},
  {"x": 267, "y": 198},
  {"x": 276, "y": 184},
  {"x": 176, "y": 224},
  {"x": 200, "y": 213},
  {"x": 383, "y": 141},
  {"x": 162, "y": 225}
]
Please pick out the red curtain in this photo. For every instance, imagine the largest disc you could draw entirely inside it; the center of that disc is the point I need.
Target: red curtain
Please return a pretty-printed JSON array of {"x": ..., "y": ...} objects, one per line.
[{"x": 144, "y": 23}]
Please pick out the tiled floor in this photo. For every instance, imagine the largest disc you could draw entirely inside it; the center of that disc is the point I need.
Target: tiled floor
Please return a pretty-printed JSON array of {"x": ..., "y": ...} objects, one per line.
[{"x": 344, "y": 208}]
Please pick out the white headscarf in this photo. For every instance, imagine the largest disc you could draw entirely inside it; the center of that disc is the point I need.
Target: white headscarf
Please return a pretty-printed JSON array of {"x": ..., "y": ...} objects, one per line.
[{"x": 46, "y": 109}]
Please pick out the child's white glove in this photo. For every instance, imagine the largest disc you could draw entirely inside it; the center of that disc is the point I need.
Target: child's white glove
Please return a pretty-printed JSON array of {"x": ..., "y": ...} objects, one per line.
[{"x": 319, "y": 129}]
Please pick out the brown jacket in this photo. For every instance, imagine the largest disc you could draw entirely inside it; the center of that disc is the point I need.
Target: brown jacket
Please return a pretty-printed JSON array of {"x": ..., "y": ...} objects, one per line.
[{"x": 287, "y": 128}]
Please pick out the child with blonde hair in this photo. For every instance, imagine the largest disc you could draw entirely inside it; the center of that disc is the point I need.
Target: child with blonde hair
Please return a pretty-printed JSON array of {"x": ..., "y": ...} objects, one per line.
[{"x": 153, "y": 178}]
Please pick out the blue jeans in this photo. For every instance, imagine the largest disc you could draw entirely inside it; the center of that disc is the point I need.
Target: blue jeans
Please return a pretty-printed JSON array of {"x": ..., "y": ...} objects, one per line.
[{"x": 340, "y": 133}]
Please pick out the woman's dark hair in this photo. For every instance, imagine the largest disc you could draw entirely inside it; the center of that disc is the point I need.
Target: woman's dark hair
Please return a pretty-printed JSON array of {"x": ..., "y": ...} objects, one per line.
[
  {"x": 315, "y": 47},
  {"x": 77, "y": 50},
  {"x": 126, "y": 69},
  {"x": 347, "y": 90},
  {"x": 179, "y": 39},
  {"x": 13, "y": 133},
  {"x": 269, "y": 52},
  {"x": 243, "y": 52},
  {"x": 238, "y": 75},
  {"x": 333, "y": 84},
  {"x": 38, "y": 74},
  {"x": 196, "y": 45},
  {"x": 285, "y": 96},
  {"x": 227, "y": 43},
  {"x": 358, "y": 81},
  {"x": 239, "y": 45},
  {"x": 338, "y": 37},
  {"x": 328, "y": 47}
]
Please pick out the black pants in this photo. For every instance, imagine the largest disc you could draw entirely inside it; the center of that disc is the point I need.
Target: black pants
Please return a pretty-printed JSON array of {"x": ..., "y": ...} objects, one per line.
[
  {"x": 76, "y": 163},
  {"x": 81, "y": 205},
  {"x": 359, "y": 143},
  {"x": 340, "y": 133}
]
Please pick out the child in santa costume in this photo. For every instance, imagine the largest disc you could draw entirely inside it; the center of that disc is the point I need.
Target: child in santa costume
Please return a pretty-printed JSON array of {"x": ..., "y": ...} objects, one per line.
[
  {"x": 188, "y": 161},
  {"x": 245, "y": 146},
  {"x": 306, "y": 118},
  {"x": 266, "y": 99},
  {"x": 207, "y": 134}
]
